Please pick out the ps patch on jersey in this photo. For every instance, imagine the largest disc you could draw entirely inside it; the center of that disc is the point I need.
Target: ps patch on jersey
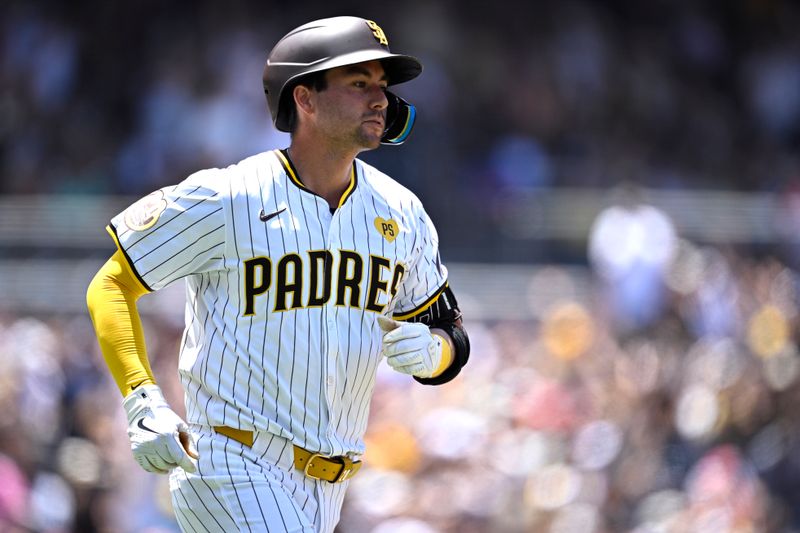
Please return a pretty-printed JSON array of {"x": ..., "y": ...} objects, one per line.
[
  {"x": 144, "y": 214},
  {"x": 388, "y": 228}
]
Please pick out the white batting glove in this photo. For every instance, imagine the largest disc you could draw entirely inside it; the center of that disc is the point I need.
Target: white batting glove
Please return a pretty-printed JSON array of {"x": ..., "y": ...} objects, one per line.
[
  {"x": 410, "y": 347},
  {"x": 160, "y": 440}
]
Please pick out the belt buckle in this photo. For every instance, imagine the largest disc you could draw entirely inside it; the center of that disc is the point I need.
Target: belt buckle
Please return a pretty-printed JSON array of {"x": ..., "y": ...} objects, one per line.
[{"x": 308, "y": 465}]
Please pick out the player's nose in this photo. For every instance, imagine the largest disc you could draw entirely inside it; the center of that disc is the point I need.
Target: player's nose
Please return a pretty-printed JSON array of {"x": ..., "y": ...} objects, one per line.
[{"x": 378, "y": 98}]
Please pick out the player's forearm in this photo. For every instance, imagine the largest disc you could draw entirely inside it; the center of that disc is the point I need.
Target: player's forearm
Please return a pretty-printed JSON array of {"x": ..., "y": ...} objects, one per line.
[{"x": 111, "y": 299}]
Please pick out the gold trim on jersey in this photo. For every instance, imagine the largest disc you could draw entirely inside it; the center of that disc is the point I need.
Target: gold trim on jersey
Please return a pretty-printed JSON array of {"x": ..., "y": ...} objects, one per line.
[
  {"x": 290, "y": 170},
  {"x": 288, "y": 166},
  {"x": 350, "y": 188},
  {"x": 429, "y": 302}
]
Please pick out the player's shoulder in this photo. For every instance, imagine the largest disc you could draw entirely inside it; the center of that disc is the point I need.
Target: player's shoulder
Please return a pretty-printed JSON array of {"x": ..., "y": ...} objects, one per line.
[
  {"x": 385, "y": 189},
  {"x": 264, "y": 163},
  {"x": 226, "y": 180}
]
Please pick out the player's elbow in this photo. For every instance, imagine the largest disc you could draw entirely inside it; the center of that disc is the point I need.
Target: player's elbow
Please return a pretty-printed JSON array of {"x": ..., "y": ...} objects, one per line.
[
  {"x": 95, "y": 293},
  {"x": 106, "y": 287},
  {"x": 113, "y": 282}
]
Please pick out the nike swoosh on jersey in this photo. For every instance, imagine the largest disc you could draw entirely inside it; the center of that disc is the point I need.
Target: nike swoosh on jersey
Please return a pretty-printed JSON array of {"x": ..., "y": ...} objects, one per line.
[
  {"x": 264, "y": 217},
  {"x": 140, "y": 423}
]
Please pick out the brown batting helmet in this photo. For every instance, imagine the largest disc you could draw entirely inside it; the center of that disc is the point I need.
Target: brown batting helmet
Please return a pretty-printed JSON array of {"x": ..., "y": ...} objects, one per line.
[{"x": 336, "y": 42}]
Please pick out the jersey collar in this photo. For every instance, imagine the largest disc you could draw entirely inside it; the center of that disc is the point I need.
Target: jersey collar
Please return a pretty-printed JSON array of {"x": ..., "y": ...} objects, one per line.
[{"x": 288, "y": 166}]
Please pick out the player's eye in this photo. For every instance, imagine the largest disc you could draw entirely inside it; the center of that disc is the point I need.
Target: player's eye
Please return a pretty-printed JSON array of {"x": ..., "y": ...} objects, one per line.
[{"x": 360, "y": 84}]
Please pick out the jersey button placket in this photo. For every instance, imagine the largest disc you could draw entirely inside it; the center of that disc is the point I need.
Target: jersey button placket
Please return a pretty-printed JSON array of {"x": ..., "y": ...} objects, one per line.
[
  {"x": 333, "y": 348},
  {"x": 330, "y": 369},
  {"x": 330, "y": 320}
]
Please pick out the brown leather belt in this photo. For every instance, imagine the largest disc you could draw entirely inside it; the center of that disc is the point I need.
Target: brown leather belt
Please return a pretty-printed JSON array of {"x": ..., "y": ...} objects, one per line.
[{"x": 313, "y": 465}]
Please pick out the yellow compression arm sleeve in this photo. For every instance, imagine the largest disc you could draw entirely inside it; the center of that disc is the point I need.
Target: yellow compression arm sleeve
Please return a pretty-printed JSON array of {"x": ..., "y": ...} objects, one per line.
[{"x": 111, "y": 299}]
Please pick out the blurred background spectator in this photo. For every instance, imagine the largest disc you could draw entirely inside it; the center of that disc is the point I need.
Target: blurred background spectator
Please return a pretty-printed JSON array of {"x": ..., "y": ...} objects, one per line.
[{"x": 616, "y": 188}]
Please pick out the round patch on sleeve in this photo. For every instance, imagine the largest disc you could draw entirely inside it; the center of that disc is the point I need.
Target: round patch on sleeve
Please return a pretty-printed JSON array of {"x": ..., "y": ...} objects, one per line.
[{"x": 144, "y": 214}]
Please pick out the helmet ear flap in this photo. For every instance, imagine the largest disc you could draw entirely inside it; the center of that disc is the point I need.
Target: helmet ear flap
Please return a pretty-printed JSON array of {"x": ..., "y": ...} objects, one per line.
[{"x": 400, "y": 118}]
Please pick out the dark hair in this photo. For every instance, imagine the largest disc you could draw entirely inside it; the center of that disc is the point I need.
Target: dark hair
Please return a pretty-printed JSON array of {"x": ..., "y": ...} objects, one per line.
[{"x": 314, "y": 80}]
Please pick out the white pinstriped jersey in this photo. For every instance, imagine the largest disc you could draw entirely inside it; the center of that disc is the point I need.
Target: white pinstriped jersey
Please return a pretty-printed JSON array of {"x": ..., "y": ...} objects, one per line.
[{"x": 282, "y": 295}]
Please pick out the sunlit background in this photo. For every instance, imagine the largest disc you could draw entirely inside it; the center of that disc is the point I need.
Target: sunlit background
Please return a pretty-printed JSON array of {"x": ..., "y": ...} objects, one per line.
[{"x": 617, "y": 191}]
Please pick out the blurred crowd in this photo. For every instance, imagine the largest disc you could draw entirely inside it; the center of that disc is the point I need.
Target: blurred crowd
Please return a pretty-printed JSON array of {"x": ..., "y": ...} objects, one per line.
[
  {"x": 585, "y": 418},
  {"x": 663, "y": 399},
  {"x": 102, "y": 97}
]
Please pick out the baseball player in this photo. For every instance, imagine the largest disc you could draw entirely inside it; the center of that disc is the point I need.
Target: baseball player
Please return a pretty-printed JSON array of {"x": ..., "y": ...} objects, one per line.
[{"x": 304, "y": 269}]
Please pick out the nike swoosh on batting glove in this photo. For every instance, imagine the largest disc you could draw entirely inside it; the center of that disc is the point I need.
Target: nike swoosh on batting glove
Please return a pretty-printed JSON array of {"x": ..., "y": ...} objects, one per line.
[
  {"x": 411, "y": 348},
  {"x": 160, "y": 439}
]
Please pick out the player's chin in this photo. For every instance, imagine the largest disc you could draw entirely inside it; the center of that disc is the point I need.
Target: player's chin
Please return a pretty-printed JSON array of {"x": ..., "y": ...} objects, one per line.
[
  {"x": 370, "y": 138},
  {"x": 373, "y": 144}
]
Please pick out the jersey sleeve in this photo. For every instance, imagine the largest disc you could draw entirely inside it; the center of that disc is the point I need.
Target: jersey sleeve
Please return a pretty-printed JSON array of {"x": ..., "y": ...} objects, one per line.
[
  {"x": 173, "y": 232},
  {"x": 426, "y": 277}
]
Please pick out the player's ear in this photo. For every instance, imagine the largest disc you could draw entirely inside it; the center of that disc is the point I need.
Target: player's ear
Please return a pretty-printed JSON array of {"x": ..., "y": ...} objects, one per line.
[{"x": 303, "y": 99}]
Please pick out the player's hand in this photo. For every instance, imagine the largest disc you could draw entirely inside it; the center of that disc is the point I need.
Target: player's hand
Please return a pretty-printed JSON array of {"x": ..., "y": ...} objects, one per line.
[
  {"x": 160, "y": 440},
  {"x": 410, "y": 347}
]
